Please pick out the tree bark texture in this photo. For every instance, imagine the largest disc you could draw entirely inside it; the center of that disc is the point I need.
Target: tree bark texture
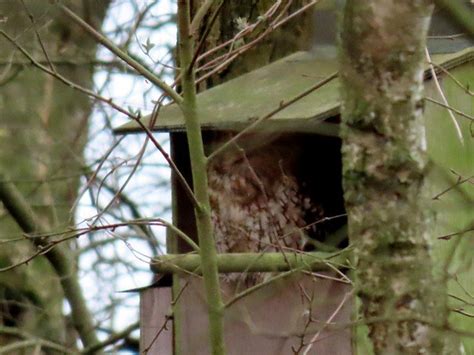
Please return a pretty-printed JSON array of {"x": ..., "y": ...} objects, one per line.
[
  {"x": 43, "y": 130},
  {"x": 383, "y": 174},
  {"x": 295, "y": 35}
]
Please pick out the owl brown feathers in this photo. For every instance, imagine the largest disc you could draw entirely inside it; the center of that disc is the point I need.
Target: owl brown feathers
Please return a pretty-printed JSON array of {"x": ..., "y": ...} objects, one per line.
[{"x": 257, "y": 202}]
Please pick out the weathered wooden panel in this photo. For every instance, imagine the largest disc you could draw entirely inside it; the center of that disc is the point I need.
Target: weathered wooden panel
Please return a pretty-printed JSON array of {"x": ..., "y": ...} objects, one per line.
[
  {"x": 273, "y": 320},
  {"x": 156, "y": 331}
]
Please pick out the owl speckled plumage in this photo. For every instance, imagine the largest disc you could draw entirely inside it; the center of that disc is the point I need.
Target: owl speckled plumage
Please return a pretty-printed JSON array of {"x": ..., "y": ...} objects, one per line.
[{"x": 258, "y": 205}]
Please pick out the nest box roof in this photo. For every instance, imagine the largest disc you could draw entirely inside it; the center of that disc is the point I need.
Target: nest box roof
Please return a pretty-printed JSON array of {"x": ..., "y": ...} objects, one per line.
[{"x": 238, "y": 102}]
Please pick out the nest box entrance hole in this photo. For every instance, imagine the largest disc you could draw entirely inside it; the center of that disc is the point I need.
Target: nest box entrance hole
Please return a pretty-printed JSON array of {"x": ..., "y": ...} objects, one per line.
[{"x": 317, "y": 164}]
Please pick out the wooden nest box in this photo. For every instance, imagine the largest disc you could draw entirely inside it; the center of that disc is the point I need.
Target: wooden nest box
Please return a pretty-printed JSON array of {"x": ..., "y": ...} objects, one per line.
[{"x": 273, "y": 320}]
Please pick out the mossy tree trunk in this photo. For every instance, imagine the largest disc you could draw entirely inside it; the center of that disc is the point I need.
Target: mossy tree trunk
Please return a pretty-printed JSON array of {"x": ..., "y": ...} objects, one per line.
[
  {"x": 384, "y": 170},
  {"x": 42, "y": 134}
]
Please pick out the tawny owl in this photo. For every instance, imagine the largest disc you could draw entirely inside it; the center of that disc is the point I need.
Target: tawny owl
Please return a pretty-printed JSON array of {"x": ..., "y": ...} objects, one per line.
[{"x": 257, "y": 202}]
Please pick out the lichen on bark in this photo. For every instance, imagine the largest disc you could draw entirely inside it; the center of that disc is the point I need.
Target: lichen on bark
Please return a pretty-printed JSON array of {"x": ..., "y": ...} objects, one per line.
[{"x": 383, "y": 173}]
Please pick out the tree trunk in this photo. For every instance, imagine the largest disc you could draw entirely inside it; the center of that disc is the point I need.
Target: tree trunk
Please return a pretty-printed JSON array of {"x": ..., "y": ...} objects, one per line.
[
  {"x": 384, "y": 172},
  {"x": 43, "y": 131},
  {"x": 295, "y": 35}
]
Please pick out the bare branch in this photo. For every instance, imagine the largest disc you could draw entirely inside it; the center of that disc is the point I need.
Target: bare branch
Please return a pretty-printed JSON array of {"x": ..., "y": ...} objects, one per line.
[
  {"x": 125, "y": 57},
  {"x": 58, "y": 257}
]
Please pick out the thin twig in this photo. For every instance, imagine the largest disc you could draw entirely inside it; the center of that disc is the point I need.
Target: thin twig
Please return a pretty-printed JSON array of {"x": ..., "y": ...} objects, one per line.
[
  {"x": 43, "y": 48},
  {"x": 63, "y": 79},
  {"x": 460, "y": 181},
  {"x": 173, "y": 166},
  {"x": 112, "y": 339},
  {"x": 443, "y": 97},
  {"x": 162, "y": 328},
  {"x": 241, "y": 34},
  {"x": 181, "y": 234},
  {"x": 122, "y": 187},
  {"x": 347, "y": 295},
  {"x": 450, "y": 235},
  {"x": 203, "y": 38},
  {"x": 45, "y": 246},
  {"x": 453, "y": 78},
  {"x": 460, "y": 113},
  {"x": 122, "y": 55},
  {"x": 225, "y": 59}
]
